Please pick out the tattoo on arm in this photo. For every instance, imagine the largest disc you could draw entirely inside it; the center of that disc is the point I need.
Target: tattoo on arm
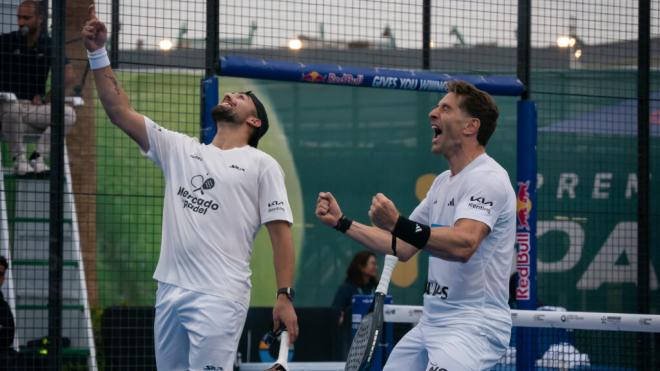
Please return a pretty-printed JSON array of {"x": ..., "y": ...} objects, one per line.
[{"x": 114, "y": 82}]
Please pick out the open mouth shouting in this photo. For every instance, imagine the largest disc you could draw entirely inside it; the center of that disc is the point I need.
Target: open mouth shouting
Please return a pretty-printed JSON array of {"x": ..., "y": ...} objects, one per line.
[{"x": 437, "y": 131}]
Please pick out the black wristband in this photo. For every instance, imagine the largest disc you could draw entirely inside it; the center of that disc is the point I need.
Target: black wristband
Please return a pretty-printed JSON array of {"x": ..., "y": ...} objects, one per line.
[
  {"x": 288, "y": 291},
  {"x": 393, "y": 244},
  {"x": 414, "y": 233},
  {"x": 343, "y": 224}
]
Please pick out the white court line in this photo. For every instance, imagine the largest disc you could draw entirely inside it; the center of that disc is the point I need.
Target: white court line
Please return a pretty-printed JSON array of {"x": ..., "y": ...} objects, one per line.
[{"x": 536, "y": 318}]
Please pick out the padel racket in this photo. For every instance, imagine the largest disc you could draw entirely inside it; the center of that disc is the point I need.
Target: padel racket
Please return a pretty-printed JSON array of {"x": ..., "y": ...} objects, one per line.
[
  {"x": 282, "y": 359},
  {"x": 366, "y": 338}
]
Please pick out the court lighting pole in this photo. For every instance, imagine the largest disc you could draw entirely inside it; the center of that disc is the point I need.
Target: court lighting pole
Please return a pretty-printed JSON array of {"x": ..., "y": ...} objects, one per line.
[
  {"x": 114, "y": 36},
  {"x": 56, "y": 194},
  {"x": 643, "y": 171},
  {"x": 426, "y": 35}
]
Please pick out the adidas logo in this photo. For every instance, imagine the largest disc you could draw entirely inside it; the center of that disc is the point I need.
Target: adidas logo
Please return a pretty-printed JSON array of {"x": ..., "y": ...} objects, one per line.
[
  {"x": 417, "y": 228},
  {"x": 451, "y": 203}
]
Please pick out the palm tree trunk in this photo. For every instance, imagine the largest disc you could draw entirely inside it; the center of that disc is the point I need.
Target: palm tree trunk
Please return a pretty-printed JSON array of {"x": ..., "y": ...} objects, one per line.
[{"x": 81, "y": 144}]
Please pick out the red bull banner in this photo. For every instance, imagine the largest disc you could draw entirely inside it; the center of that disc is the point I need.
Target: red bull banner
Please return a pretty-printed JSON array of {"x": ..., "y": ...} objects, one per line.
[
  {"x": 525, "y": 210},
  {"x": 526, "y": 229},
  {"x": 384, "y": 78},
  {"x": 523, "y": 240}
]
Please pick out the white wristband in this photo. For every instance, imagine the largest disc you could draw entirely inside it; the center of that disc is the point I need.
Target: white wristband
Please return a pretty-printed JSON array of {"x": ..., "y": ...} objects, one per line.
[{"x": 98, "y": 59}]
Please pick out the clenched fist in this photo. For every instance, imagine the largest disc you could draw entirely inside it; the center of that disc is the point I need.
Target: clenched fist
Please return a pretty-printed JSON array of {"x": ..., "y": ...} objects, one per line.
[
  {"x": 383, "y": 213},
  {"x": 94, "y": 32},
  {"x": 327, "y": 209}
]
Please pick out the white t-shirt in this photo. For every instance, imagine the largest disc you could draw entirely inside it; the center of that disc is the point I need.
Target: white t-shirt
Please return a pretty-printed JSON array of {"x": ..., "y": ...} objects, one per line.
[
  {"x": 475, "y": 292},
  {"x": 215, "y": 202}
]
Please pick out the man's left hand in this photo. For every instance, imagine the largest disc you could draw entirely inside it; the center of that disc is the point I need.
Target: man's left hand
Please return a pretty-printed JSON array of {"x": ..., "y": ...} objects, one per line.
[
  {"x": 383, "y": 213},
  {"x": 283, "y": 312}
]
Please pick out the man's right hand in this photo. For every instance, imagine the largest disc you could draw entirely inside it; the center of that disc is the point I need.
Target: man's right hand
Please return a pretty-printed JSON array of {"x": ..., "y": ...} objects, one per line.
[
  {"x": 94, "y": 32},
  {"x": 327, "y": 209}
]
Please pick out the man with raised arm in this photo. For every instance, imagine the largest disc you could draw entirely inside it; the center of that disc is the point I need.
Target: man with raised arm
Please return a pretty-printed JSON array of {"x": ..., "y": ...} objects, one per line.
[
  {"x": 466, "y": 223},
  {"x": 216, "y": 198}
]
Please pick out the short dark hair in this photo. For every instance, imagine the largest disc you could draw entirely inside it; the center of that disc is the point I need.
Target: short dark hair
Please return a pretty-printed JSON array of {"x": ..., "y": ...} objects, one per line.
[
  {"x": 36, "y": 4},
  {"x": 354, "y": 270},
  {"x": 3, "y": 262},
  {"x": 262, "y": 116},
  {"x": 478, "y": 104}
]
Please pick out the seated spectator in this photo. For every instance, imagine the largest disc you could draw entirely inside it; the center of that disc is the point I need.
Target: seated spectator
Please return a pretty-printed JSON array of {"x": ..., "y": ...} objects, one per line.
[{"x": 24, "y": 67}]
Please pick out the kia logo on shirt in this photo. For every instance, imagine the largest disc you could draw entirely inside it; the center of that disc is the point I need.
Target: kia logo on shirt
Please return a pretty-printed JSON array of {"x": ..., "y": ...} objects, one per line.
[
  {"x": 276, "y": 206},
  {"x": 481, "y": 200}
]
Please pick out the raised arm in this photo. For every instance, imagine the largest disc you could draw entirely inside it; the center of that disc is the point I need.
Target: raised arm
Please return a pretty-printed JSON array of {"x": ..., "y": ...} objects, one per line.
[
  {"x": 112, "y": 96},
  {"x": 456, "y": 243},
  {"x": 373, "y": 238},
  {"x": 284, "y": 259}
]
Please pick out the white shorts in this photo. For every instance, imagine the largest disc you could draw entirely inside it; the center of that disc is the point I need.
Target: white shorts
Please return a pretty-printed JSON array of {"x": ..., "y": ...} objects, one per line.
[
  {"x": 196, "y": 331},
  {"x": 434, "y": 348}
]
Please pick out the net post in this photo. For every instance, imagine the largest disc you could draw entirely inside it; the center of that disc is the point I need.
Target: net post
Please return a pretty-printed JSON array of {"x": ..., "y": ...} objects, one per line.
[
  {"x": 114, "y": 36},
  {"x": 426, "y": 35},
  {"x": 208, "y": 100},
  {"x": 56, "y": 191},
  {"x": 212, "y": 36},
  {"x": 526, "y": 230},
  {"x": 644, "y": 341}
]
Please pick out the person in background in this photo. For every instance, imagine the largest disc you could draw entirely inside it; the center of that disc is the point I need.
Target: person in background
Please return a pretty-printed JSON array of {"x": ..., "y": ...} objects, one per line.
[
  {"x": 360, "y": 280},
  {"x": 25, "y": 57}
]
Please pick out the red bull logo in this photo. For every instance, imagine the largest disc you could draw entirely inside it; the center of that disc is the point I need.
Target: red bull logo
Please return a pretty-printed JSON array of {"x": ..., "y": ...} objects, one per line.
[
  {"x": 524, "y": 205},
  {"x": 313, "y": 76},
  {"x": 523, "y": 260},
  {"x": 345, "y": 79}
]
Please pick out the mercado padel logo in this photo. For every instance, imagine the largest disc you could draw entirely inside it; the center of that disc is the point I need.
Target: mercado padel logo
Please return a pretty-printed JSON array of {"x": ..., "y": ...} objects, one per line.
[{"x": 195, "y": 200}]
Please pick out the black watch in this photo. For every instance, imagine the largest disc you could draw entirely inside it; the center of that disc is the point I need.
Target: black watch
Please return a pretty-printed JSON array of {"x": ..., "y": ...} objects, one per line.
[{"x": 288, "y": 291}]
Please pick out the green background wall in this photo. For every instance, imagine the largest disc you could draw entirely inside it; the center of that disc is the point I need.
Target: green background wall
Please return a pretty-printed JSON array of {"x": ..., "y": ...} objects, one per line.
[{"x": 356, "y": 142}]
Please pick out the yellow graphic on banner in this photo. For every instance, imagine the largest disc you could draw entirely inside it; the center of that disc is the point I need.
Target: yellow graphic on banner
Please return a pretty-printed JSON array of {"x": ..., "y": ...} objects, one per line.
[{"x": 406, "y": 273}]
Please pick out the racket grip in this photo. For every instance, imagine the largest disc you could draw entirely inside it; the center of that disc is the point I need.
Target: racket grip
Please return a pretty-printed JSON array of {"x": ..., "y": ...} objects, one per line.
[
  {"x": 388, "y": 268},
  {"x": 283, "y": 356}
]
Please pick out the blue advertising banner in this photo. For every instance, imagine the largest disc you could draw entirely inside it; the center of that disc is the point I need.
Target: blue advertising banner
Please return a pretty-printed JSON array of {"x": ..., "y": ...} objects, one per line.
[{"x": 384, "y": 78}]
